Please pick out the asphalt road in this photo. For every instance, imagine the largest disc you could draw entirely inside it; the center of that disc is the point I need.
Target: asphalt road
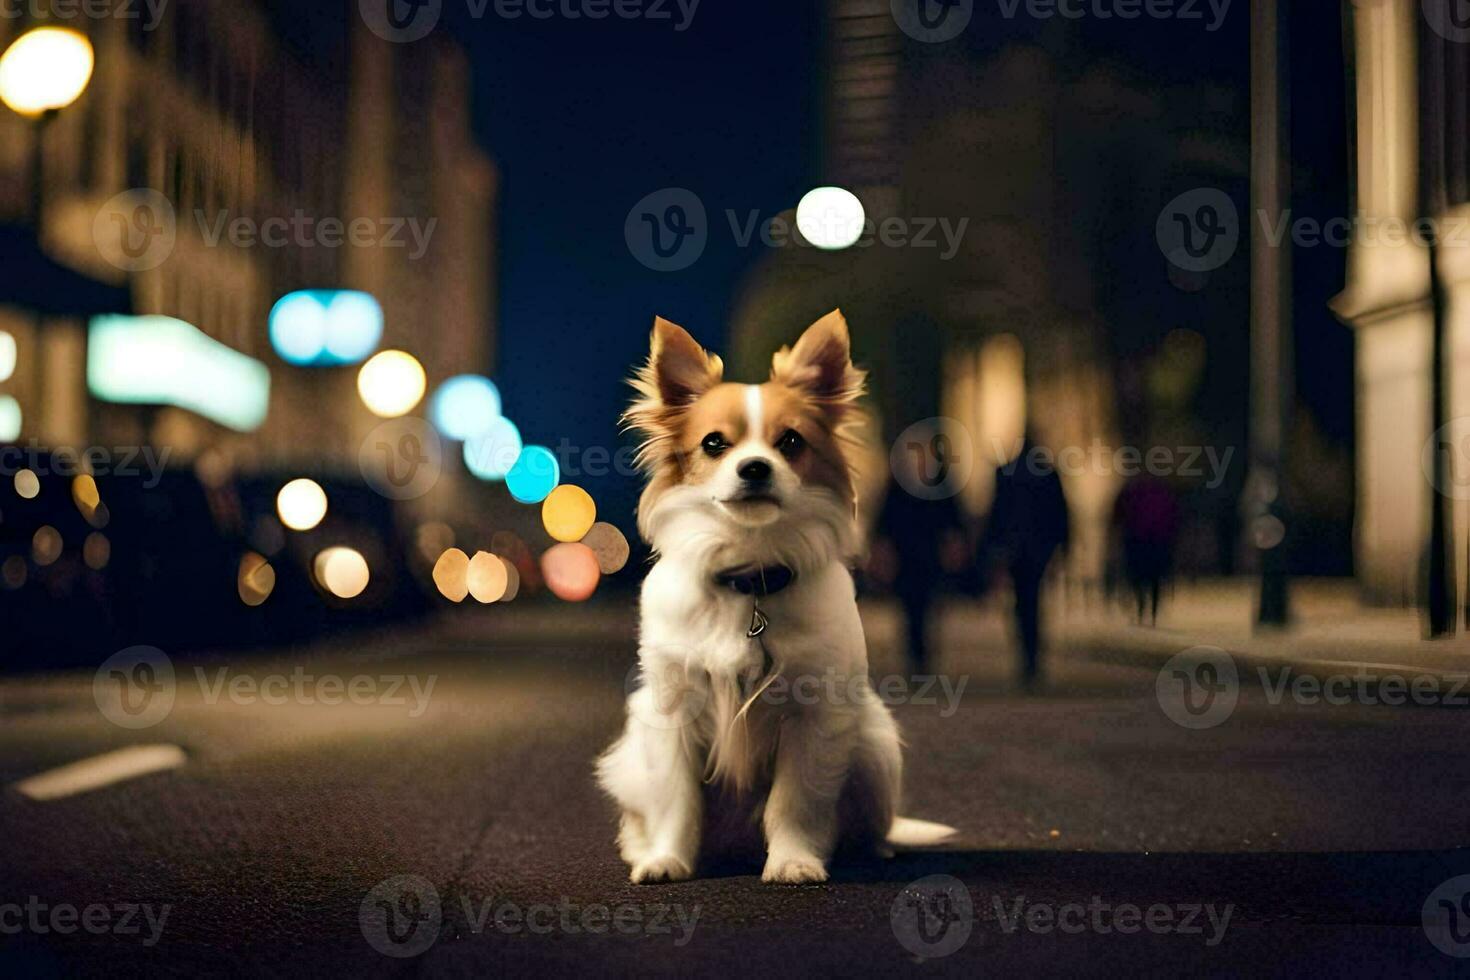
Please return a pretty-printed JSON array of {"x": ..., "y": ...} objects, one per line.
[{"x": 1099, "y": 836}]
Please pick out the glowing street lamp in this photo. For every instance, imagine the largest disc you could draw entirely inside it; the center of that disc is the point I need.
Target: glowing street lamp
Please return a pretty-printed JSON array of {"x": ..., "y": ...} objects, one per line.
[
  {"x": 45, "y": 70},
  {"x": 391, "y": 383}
]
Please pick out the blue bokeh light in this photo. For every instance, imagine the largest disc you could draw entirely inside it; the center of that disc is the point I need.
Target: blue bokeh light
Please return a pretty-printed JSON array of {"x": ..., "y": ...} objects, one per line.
[
  {"x": 534, "y": 475},
  {"x": 491, "y": 454},
  {"x": 325, "y": 327},
  {"x": 465, "y": 406}
]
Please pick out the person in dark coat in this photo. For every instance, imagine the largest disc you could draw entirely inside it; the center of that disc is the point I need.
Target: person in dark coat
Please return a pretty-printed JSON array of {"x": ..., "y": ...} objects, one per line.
[
  {"x": 1028, "y": 524},
  {"x": 919, "y": 541}
]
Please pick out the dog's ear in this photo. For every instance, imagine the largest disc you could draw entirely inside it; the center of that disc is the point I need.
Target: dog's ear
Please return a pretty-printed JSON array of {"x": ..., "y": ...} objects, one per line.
[
  {"x": 677, "y": 372},
  {"x": 821, "y": 364},
  {"x": 678, "y": 368}
]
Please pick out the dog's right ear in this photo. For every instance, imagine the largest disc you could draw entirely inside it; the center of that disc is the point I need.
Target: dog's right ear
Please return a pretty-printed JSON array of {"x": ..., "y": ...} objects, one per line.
[
  {"x": 677, "y": 372},
  {"x": 678, "y": 367}
]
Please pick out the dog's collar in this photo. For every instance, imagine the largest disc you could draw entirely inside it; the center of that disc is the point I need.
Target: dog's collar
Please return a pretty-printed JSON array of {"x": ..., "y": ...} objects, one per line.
[{"x": 756, "y": 580}]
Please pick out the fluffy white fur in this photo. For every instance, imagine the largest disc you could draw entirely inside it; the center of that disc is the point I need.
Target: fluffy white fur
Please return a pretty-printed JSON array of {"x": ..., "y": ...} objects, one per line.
[{"x": 698, "y": 734}]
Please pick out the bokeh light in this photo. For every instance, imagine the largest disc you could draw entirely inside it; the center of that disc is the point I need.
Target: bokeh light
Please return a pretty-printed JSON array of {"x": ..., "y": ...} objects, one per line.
[
  {"x": 7, "y": 355},
  {"x": 490, "y": 454},
  {"x": 391, "y": 383},
  {"x": 27, "y": 484},
  {"x": 451, "y": 574},
  {"x": 14, "y": 572},
  {"x": 45, "y": 545},
  {"x": 46, "y": 68},
  {"x": 255, "y": 580},
  {"x": 487, "y": 577},
  {"x": 96, "y": 551},
  {"x": 10, "y": 419},
  {"x": 465, "y": 406},
  {"x": 609, "y": 545},
  {"x": 84, "y": 493},
  {"x": 342, "y": 571},
  {"x": 830, "y": 218},
  {"x": 301, "y": 504},
  {"x": 325, "y": 326},
  {"x": 534, "y": 475},
  {"x": 432, "y": 538},
  {"x": 571, "y": 571},
  {"x": 568, "y": 513},
  {"x": 512, "y": 580}
]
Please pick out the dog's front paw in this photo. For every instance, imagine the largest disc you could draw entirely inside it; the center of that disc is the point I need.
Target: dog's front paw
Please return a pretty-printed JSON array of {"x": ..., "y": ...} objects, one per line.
[
  {"x": 662, "y": 867},
  {"x": 794, "y": 871}
]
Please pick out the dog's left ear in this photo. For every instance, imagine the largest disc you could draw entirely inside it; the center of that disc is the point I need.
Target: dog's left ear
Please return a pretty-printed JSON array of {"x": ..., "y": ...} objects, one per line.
[{"x": 821, "y": 363}]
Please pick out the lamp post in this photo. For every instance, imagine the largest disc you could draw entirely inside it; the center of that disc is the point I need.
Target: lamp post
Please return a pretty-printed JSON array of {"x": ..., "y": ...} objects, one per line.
[{"x": 43, "y": 71}]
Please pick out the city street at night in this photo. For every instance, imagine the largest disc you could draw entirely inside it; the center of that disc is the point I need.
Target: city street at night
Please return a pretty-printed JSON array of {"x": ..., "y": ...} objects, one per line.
[{"x": 1315, "y": 851}]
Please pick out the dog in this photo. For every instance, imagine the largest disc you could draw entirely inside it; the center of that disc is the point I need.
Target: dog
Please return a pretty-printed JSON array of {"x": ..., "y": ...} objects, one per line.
[{"x": 754, "y": 705}]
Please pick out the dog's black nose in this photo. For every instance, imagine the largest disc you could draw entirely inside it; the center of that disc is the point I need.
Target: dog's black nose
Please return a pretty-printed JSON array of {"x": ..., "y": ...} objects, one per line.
[{"x": 754, "y": 471}]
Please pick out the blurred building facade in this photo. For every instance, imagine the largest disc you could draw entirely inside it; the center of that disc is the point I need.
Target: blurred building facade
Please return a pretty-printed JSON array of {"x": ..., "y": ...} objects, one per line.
[
  {"x": 1411, "y": 147},
  {"x": 212, "y": 110},
  {"x": 1057, "y": 312}
]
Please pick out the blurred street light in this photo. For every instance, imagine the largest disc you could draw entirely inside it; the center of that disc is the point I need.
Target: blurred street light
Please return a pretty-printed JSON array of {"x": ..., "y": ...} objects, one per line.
[
  {"x": 45, "y": 70},
  {"x": 391, "y": 383},
  {"x": 830, "y": 218},
  {"x": 301, "y": 504}
]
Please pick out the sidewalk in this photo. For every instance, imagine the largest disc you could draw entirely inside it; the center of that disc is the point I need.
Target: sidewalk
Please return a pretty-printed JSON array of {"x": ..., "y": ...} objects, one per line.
[{"x": 1331, "y": 631}]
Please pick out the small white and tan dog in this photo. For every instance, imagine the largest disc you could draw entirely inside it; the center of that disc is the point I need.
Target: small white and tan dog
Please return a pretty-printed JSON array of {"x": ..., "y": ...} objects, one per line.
[{"x": 754, "y": 706}]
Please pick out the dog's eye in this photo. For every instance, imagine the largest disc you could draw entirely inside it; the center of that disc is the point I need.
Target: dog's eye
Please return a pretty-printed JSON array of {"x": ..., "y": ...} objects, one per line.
[
  {"x": 790, "y": 443},
  {"x": 714, "y": 444}
]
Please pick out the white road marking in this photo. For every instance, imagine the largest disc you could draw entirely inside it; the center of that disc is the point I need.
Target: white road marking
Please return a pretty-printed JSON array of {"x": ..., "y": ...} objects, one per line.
[{"x": 101, "y": 770}]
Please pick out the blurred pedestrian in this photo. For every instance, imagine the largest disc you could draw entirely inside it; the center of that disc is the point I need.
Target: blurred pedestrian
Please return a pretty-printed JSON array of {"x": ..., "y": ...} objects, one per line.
[
  {"x": 917, "y": 542},
  {"x": 1146, "y": 515},
  {"x": 1028, "y": 524}
]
